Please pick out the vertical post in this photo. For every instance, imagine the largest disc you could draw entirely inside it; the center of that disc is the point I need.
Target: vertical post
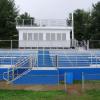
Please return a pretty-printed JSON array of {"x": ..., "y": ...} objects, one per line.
[
  {"x": 57, "y": 61},
  {"x": 23, "y": 23},
  {"x": 76, "y": 61},
  {"x": 82, "y": 81},
  {"x": 57, "y": 68},
  {"x": 11, "y": 53},
  {"x": 88, "y": 44},
  {"x": 43, "y": 54},
  {"x": 96, "y": 57},
  {"x": 31, "y": 21},
  {"x": 72, "y": 26},
  {"x": 65, "y": 81},
  {"x": 37, "y": 53},
  {"x": 91, "y": 57},
  {"x": 12, "y": 61},
  {"x": 31, "y": 61}
]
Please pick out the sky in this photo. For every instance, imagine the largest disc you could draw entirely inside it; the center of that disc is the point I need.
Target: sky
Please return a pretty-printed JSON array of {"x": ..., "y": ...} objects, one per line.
[{"x": 52, "y": 9}]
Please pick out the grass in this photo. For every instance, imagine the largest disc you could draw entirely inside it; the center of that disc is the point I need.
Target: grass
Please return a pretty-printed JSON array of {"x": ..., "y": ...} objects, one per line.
[{"x": 49, "y": 95}]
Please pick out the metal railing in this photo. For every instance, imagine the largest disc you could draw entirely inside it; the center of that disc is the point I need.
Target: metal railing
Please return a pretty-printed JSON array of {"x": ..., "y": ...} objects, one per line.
[
  {"x": 16, "y": 70},
  {"x": 44, "y": 44},
  {"x": 89, "y": 59},
  {"x": 31, "y": 44},
  {"x": 94, "y": 44},
  {"x": 90, "y": 81},
  {"x": 44, "y": 22},
  {"x": 60, "y": 57}
]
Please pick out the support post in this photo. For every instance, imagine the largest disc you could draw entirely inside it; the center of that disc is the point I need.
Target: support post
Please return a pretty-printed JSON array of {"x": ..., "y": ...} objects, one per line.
[
  {"x": 56, "y": 61},
  {"x": 72, "y": 26},
  {"x": 65, "y": 87},
  {"x": 57, "y": 68},
  {"x": 23, "y": 22},
  {"x": 83, "y": 81},
  {"x": 88, "y": 44},
  {"x": 12, "y": 61}
]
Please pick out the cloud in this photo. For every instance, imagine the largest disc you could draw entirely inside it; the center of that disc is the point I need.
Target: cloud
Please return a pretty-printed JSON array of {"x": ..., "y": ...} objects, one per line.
[{"x": 52, "y": 8}]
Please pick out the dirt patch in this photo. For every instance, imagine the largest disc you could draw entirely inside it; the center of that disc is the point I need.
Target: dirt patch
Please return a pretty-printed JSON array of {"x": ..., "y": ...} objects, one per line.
[
  {"x": 4, "y": 85},
  {"x": 71, "y": 89}
]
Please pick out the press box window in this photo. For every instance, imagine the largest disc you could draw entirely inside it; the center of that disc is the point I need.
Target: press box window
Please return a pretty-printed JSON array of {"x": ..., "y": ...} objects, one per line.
[
  {"x": 63, "y": 36},
  {"x": 53, "y": 36},
  {"x": 24, "y": 36},
  {"x": 48, "y": 36},
  {"x": 30, "y": 36},
  {"x": 41, "y": 36},
  {"x": 36, "y": 36},
  {"x": 58, "y": 36}
]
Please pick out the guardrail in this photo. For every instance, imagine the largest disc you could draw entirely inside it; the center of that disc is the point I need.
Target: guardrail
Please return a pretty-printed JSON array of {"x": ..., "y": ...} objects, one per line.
[
  {"x": 44, "y": 22},
  {"x": 40, "y": 44},
  {"x": 91, "y": 60}
]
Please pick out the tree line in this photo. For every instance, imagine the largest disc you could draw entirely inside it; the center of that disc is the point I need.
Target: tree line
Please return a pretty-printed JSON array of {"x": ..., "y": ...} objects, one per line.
[
  {"x": 86, "y": 23},
  {"x": 8, "y": 15}
]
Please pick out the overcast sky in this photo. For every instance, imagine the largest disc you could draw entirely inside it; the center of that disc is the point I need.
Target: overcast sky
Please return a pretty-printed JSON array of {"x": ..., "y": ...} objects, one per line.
[{"x": 52, "y": 8}]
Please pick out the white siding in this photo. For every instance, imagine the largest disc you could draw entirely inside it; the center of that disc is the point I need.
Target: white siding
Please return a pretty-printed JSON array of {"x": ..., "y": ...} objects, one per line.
[{"x": 46, "y": 37}]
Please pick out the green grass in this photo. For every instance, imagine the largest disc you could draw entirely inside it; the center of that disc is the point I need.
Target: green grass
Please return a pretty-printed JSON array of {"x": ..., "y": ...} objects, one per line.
[{"x": 50, "y": 95}]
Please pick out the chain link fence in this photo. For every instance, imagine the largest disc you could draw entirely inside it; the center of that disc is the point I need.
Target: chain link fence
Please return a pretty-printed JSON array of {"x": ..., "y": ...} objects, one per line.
[
  {"x": 94, "y": 44},
  {"x": 90, "y": 81}
]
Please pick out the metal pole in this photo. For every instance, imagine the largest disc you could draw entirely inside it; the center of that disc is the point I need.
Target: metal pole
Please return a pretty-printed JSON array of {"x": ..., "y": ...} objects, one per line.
[
  {"x": 31, "y": 22},
  {"x": 57, "y": 61},
  {"x": 88, "y": 44},
  {"x": 72, "y": 26},
  {"x": 65, "y": 81},
  {"x": 23, "y": 22},
  {"x": 82, "y": 81},
  {"x": 37, "y": 54},
  {"x": 31, "y": 61},
  {"x": 12, "y": 61},
  {"x": 43, "y": 54},
  {"x": 57, "y": 70},
  {"x": 11, "y": 53}
]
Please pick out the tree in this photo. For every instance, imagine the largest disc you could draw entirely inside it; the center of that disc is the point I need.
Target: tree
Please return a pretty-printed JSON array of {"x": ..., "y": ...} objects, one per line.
[
  {"x": 95, "y": 28},
  {"x": 82, "y": 24},
  {"x": 8, "y": 13},
  {"x": 25, "y": 19}
]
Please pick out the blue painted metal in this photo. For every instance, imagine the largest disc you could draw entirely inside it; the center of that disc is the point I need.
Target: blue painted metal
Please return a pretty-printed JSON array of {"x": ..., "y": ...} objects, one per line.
[
  {"x": 72, "y": 59},
  {"x": 44, "y": 59},
  {"x": 39, "y": 77},
  {"x": 69, "y": 78},
  {"x": 2, "y": 70},
  {"x": 77, "y": 73}
]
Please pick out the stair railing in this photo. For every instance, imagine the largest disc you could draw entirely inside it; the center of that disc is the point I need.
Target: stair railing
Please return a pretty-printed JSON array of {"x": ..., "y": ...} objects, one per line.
[
  {"x": 17, "y": 65},
  {"x": 27, "y": 71}
]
